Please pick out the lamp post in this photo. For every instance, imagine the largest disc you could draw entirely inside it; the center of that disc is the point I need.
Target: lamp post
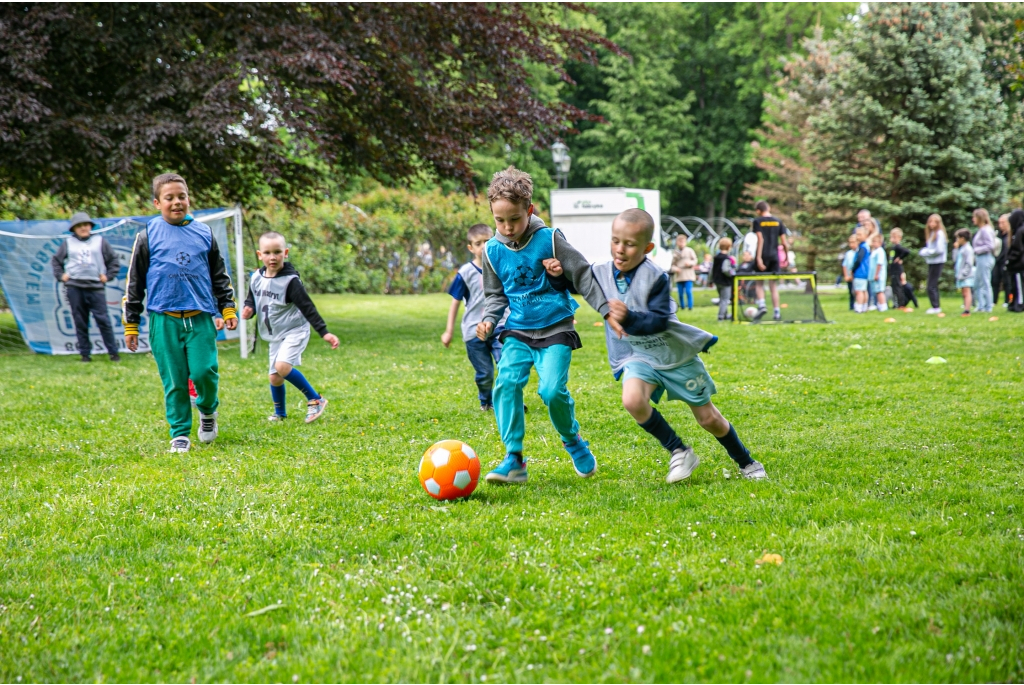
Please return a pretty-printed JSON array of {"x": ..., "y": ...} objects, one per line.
[{"x": 560, "y": 156}]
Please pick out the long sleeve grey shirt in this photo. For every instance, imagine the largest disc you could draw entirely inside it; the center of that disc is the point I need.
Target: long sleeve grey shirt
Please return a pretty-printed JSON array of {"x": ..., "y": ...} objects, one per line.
[{"x": 575, "y": 267}]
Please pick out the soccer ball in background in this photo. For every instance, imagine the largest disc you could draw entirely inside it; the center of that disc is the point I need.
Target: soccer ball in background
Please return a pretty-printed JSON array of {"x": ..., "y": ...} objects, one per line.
[
  {"x": 751, "y": 312},
  {"x": 449, "y": 469}
]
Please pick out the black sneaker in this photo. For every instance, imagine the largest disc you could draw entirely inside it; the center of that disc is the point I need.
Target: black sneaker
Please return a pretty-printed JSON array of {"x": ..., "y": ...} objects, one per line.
[
  {"x": 115, "y": 357},
  {"x": 484, "y": 406},
  {"x": 85, "y": 358}
]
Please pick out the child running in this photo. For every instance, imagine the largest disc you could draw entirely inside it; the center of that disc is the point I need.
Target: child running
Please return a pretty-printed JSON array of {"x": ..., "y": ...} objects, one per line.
[
  {"x": 876, "y": 269},
  {"x": 176, "y": 262},
  {"x": 286, "y": 314},
  {"x": 660, "y": 353},
  {"x": 539, "y": 328},
  {"x": 469, "y": 286}
]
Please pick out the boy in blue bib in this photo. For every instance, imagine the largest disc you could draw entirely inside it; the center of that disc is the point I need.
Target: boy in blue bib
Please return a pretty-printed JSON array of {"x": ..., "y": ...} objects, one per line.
[
  {"x": 177, "y": 274},
  {"x": 658, "y": 356},
  {"x": 539, "y": 329}
]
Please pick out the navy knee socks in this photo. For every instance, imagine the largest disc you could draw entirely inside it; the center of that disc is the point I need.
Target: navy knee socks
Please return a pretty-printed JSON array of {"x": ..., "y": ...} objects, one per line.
[
  {"x": 735, "y": 447},
  {"x": 277, "y": 393},
  {"x": 296, "y": 378},
  {"x": 662, "y": 432}
]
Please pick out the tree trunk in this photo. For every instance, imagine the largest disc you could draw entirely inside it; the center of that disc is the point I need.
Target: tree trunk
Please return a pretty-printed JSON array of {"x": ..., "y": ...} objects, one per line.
[{"x": 724, "y": 199}]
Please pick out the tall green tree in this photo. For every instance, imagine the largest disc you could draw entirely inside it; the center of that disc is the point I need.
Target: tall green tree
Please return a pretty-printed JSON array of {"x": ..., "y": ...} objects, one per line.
[
  {"x": 913, "y": 127},
  {"x": 718, "y": 57}
]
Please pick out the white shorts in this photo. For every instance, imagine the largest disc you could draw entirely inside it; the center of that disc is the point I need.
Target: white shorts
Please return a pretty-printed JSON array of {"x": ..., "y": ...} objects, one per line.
[{"x": 289, "y": 349}]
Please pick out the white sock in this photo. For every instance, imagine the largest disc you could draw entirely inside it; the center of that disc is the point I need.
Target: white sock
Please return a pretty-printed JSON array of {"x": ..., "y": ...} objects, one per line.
[
  {"x": 883, "y": 307},
  {"x": 760, "y": 304}
]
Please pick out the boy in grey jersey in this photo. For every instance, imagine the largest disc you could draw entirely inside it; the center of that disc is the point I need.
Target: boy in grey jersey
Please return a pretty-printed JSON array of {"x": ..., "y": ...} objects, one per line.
[
  {"x": 285, "y": 314},
  {"x": 85, "y": 263},
  {"x": 658, "y": 354},
  {"x": 469, "y": 286}
]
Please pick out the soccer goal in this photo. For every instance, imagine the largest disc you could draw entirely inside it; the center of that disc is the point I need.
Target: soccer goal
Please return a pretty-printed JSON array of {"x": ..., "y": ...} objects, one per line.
[
  {"x": 34, "y": 311},
  {"x": 798, "y": 298}
]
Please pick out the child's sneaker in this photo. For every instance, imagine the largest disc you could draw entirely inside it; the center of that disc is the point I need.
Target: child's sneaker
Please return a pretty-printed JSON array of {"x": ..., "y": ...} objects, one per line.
[
  {"x": 276, "y": 417},
  {"x": 486, "y": 406},
  {"x": 207, "y": 427},
  {"x": 582, "y": 458},
  {"x": 181, "y": 444},
  {"x": 512, "y": 469},
  {"x": 754, "y": 471},
  {"x": 681, "y": 465},
  {"x": 315, "y": 408}
]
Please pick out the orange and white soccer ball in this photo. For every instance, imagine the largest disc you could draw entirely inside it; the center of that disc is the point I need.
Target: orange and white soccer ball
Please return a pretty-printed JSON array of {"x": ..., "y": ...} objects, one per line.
[{"x": 449, "y": 469}]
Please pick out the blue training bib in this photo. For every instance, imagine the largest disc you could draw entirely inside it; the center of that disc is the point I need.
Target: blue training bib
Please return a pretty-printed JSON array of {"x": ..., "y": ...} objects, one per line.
[{"x": 179, "y": 267}]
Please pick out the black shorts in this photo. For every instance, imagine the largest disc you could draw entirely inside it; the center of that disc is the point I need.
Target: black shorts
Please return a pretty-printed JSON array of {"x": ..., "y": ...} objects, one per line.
[{"x": 771, "y": 264}]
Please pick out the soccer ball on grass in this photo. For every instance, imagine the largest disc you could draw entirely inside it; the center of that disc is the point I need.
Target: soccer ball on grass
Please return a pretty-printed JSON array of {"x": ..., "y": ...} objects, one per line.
[
  {"x": 751, "y": 312},
  {"x": 449, "y": 469}
]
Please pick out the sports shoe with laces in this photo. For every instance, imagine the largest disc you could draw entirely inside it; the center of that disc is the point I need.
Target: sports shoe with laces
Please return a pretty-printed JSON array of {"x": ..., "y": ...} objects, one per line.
[
  {"x": 582, "y": 458},
  {"x": 181, "y": 444},
  {"x": 115, "y": 357},
  {"x": 681, "y": 465},
  {"x": 276, "y": 417},
  {"x": 512, "y": 469},
  {"x": 760, "y": 314},
  {"x": 207, "y": 427},
  {"x": 754, "y": 471},
  {"x": 314, "y": 408}
]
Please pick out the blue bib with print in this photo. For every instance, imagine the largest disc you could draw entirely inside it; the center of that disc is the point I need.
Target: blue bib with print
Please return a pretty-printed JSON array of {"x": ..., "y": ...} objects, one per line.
[{"x": 179, "y": 267}]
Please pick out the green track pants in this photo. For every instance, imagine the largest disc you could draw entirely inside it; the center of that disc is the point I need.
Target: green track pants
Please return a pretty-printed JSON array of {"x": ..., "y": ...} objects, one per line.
[{"x": 183, "y": 349}]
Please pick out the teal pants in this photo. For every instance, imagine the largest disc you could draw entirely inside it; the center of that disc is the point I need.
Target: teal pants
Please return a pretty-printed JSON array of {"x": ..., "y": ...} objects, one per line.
[
  {"x": 183, "y": 349},
  {"x": 517, "y": 358}
]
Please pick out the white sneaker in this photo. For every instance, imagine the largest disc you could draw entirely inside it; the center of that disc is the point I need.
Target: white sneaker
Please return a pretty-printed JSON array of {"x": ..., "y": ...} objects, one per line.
[
  {"x": 181, "y": 444},
  {"x": 933, "y": 310},
  {"x": 872, "y": 308},
  {"x": 754, "y": 471},
  {"x": 681, "y": 465},
  {"x": 207, "y": 427}
]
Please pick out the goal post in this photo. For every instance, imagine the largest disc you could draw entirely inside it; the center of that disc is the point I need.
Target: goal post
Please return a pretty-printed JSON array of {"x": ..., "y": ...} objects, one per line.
[{"x": 798, "y": 298}]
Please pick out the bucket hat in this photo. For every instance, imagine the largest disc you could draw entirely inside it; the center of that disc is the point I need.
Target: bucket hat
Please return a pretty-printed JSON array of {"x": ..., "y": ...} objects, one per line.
[{"x": 81, "y": 218}]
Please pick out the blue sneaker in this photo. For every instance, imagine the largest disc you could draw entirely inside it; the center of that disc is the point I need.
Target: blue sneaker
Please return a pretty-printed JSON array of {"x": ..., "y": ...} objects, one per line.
[
  {"x": 511, "y": 470},
  {"x": 582, "y": 458}
]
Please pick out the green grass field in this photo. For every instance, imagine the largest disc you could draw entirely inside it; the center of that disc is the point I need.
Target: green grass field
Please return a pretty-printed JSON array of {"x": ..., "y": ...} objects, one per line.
[{"x": 293, "y": 552}]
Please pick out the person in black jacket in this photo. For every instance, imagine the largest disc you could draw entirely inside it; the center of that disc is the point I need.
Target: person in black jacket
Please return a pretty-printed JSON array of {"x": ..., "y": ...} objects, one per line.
[
  {"x": 999, "y": 281},
  {"x": 1015, "y": 262},
  {"x": 85, "y": 263},
  {"x": 902, "y": 289},
  {"x": 722, "y": 272}
]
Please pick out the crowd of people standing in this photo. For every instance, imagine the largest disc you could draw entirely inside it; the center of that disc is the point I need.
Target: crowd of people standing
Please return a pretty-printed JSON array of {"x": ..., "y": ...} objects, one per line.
[{"x": 985, "y": 263}]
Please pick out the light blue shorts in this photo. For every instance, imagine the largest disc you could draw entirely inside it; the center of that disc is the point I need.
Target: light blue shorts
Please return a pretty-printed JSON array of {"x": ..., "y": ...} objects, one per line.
[
  {"x": 860, "y": 285},
  {"x": 688, "y": 383}
]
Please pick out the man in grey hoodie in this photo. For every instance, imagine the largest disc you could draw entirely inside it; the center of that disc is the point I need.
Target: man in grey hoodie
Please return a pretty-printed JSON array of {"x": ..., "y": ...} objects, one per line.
[{"x": 84, "y": 263}]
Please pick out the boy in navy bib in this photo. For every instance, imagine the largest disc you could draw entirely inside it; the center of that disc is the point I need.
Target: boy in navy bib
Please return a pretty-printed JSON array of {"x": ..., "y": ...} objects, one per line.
[
  {"x": 539, "y": 329},
  {"x": 177, "y": 274},
  {"x": 659, "y": 353}
]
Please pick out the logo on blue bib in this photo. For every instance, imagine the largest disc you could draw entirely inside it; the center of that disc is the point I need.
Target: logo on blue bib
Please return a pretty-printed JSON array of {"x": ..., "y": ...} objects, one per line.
[
  {"x": 183, "y": 259},
  {"x": 524, "y": 275}
]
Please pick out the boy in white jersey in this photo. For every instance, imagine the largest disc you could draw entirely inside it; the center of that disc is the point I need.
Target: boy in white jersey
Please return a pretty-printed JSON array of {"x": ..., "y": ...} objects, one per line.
[
  {"x": 658, "y": 354},
  {"x": 469, "y": 286},
  {"x": 285, "y": 316}
]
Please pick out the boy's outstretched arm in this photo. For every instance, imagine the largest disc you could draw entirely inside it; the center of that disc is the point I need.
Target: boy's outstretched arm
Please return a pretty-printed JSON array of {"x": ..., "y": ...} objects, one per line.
[
  {"x": 495, "y": 301},
  {"x": 222, "y": 290},
  {"x": 576, "y": 267},
  {"x": 135, "y": 290},
  {"x": 659, "y": 306},
  {"x": 297, "y": 295},
  {"x": 453, "y": 311}
]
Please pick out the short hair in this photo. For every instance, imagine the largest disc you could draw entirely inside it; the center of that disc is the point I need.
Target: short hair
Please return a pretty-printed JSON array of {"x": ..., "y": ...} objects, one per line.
[
  {"x": 513, "y": 185},
  {"x": 638, "y": 217},
  {"x": 963, "y": 234},
  {"x": 878, "y": 237},
  {"x": 897, "y": 232},
  {"x": 273, "y": 235},
  {"x": 478, "y": 229},
  {"x": 724, "y": 243},
  {"x": 761, "y": 206},
  {"x": 981, "y": 213},
  {"x": 163, "y": 179}
]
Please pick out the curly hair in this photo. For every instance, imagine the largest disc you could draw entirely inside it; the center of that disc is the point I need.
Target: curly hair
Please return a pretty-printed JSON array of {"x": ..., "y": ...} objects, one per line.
[{"x": 513, "y": 185}]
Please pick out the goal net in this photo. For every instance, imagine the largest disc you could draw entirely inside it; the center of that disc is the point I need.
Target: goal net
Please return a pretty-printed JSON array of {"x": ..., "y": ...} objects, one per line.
[
  {"x": 34, "y": 311},
  {"x": 798, "y": 298}
]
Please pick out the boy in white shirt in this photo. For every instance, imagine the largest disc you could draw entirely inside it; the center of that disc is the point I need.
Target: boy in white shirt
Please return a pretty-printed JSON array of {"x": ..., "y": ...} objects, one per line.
[{"x": 878, "y": 264}]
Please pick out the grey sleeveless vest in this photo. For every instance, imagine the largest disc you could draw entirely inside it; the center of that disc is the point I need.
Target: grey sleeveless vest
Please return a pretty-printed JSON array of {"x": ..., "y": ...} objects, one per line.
[
  {"x": 675, "y": 346},
  {"x": 276, "y": 317},
  {"x": 85, "y": 259}
]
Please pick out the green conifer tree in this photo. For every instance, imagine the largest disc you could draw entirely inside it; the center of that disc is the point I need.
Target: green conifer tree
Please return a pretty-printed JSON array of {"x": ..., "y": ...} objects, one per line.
[{"x": 913, "y": 127}]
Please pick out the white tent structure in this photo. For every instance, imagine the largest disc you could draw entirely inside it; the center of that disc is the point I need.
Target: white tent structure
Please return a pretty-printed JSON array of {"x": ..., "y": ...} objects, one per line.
[{"x": 585, "y": 216}]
